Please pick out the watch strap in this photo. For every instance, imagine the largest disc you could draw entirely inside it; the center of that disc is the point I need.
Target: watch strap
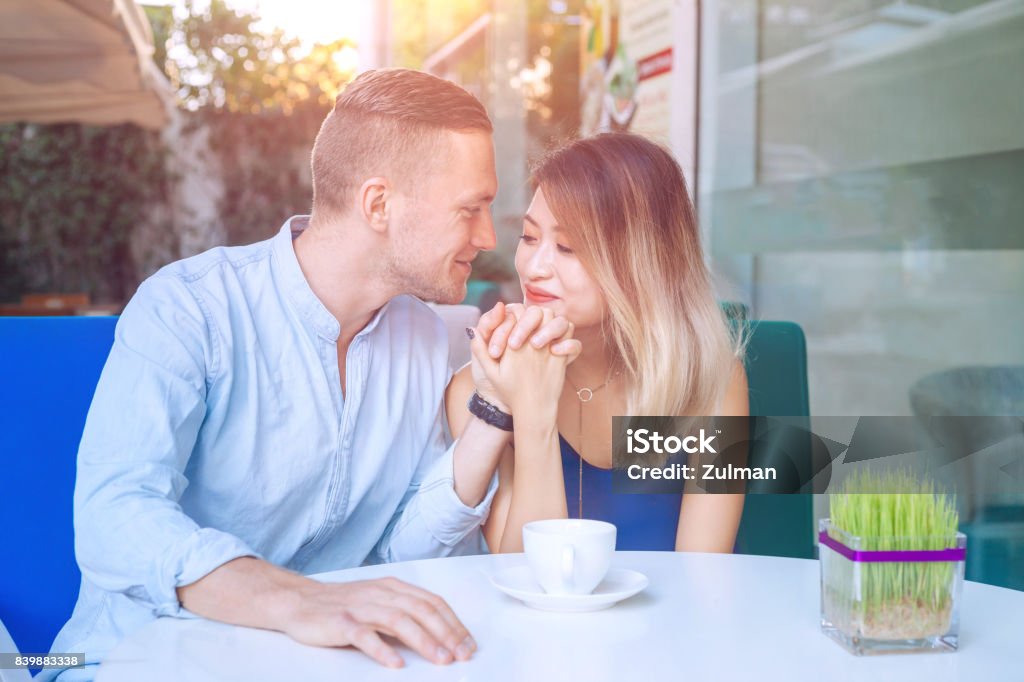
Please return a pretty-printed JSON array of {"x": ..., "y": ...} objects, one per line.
[{"x": 488, "y": 413}]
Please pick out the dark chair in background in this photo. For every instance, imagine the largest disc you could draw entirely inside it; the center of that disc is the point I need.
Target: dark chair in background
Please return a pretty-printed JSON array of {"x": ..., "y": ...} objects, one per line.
[{"x": 991, "y": 503}]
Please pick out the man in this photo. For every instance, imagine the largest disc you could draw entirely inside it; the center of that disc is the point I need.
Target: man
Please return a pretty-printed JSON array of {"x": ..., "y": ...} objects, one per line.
[{"x": 276, "y": 408}]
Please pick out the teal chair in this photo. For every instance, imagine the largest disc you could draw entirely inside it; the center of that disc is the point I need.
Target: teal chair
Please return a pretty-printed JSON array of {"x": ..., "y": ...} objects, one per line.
[
  {"x": 776, "y": 364},
  {"x": 482, "y": 294}
]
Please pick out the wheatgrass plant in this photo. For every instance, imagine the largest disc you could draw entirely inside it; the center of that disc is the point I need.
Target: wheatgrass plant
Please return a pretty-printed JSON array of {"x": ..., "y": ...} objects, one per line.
[{"x": 891, "y": 511}]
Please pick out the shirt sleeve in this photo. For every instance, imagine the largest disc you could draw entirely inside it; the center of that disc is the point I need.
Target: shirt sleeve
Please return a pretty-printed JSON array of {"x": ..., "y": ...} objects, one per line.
[
  {"x": 432, "y": 521},
  {"x": 131, "y": 535}
]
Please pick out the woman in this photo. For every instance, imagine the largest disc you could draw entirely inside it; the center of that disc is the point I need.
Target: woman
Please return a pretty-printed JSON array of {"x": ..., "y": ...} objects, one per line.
[{"x": 610, "y": 242}]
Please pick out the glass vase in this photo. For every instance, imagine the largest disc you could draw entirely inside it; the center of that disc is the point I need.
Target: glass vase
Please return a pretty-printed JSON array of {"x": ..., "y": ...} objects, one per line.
[{"x": 890, "y": 594}]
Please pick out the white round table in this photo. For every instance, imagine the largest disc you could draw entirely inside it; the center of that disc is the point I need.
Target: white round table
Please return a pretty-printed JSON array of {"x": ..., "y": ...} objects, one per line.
[{"x": 703, "y": 617}]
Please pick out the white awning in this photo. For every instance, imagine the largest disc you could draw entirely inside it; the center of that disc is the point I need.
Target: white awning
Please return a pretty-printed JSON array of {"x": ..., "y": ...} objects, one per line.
[{"x": 85, "y": 61}]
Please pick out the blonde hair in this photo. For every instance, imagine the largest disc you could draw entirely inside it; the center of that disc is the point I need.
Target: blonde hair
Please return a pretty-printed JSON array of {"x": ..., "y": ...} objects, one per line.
[
  {"x": 388, "y": 122},
  {"x": 622, "y": 202}
]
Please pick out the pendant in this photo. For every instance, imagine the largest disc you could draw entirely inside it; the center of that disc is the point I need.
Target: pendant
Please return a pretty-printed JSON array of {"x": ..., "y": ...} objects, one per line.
[{"x": 589, "y": 395}]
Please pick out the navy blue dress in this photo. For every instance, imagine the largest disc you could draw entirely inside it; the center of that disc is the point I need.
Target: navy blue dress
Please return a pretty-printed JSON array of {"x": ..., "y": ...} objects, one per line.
[{"x": 645, "y": 522}]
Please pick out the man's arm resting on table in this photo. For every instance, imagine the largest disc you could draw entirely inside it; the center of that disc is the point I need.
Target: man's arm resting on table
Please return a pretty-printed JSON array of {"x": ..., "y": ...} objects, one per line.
[
  {"x": 255, "y": 593},
  {"x": 132, "y": 536}
]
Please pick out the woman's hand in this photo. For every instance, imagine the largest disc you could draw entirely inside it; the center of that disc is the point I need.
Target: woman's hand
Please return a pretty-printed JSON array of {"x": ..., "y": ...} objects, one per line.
[
  {"x": 528, "y": 380},
  {"x": 511, "y": 325}
]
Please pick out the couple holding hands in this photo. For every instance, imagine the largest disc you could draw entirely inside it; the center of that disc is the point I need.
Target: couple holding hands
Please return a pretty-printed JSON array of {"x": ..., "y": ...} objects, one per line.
[{"x": 284, "y": 408}]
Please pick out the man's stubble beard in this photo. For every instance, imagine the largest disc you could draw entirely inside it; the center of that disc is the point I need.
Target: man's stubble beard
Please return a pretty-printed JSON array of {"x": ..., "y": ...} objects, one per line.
[{"x": 408, "y": 274}]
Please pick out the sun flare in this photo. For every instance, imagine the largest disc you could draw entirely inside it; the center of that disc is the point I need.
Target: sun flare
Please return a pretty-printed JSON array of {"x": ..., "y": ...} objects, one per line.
[{"x": 311, "y": 21}]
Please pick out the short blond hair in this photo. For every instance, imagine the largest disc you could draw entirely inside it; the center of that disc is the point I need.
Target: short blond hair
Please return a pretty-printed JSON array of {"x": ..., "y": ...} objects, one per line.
[{"x": 387, "y": 122}]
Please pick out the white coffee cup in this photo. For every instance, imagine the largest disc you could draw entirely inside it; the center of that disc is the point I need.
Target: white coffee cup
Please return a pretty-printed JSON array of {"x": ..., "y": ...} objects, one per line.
[{"x": 569, "y": 556}]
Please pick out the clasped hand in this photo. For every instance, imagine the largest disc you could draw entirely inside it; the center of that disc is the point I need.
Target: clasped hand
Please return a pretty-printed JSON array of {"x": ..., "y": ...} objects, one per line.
[{"x": 520, "y": 355}]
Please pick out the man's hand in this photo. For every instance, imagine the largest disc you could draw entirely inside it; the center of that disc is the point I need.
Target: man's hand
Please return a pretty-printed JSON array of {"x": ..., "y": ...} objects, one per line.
[
  {"x": 254, "y": 593},
  {"x": 485, "y": 326},
  {"x": 358, "y": 613}
]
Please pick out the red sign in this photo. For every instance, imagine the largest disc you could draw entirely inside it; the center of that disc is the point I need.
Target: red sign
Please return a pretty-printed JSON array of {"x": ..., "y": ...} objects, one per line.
[{"x": 655, "y": 65}]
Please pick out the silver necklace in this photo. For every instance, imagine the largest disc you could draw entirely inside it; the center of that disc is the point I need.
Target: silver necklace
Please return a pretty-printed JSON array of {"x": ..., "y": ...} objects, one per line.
[{"x": 584, "y": 395}]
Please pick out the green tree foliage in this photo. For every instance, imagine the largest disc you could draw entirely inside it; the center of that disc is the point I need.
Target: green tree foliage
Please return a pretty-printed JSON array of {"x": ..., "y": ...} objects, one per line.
[
  {"x": 263, "y": 95},
  {"x": 71, "y": 197},
  {"x": 217, "y": 60},
  {"x": 263, "y": 160}
]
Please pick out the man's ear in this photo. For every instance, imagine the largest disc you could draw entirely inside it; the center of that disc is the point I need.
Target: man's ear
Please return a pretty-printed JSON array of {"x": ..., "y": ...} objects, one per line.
[{"x": 374, "y": 199}]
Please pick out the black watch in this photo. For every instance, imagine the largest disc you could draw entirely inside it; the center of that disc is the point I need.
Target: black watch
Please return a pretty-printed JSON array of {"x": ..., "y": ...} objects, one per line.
[{"x": 488, "y": 413}]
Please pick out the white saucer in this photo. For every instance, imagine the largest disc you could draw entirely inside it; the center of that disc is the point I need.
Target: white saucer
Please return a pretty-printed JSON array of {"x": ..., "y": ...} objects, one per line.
[{"x": 618, "y": 584}]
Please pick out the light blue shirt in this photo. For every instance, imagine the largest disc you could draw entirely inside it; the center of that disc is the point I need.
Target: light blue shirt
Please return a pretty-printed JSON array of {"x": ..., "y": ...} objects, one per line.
[{"x": 219, "y": 430}]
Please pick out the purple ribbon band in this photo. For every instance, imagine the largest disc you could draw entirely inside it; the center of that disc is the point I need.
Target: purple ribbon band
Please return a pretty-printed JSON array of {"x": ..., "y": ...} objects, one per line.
[{"x": 882, "y": 556}]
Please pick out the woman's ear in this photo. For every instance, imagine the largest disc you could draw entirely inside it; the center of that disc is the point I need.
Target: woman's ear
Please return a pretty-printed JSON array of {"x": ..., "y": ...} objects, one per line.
[{"x": 374, "y": 197}]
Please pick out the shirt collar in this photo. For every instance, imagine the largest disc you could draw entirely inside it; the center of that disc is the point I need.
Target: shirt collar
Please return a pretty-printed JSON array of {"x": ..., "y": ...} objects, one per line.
[{"x": 313, "y": 313}]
